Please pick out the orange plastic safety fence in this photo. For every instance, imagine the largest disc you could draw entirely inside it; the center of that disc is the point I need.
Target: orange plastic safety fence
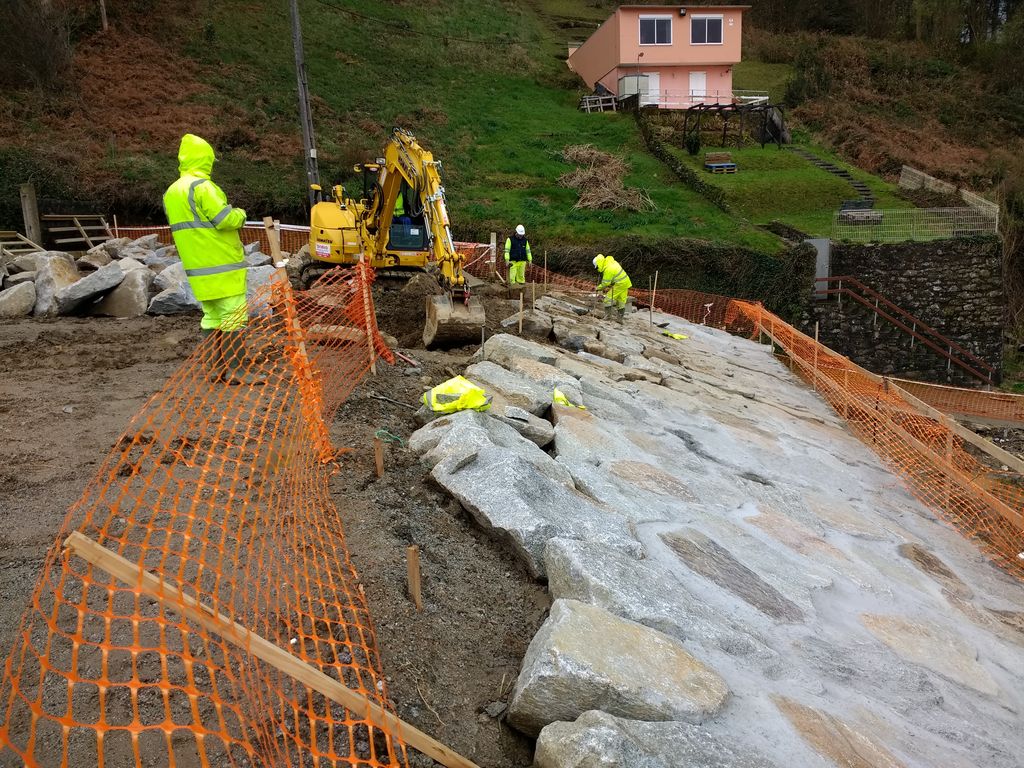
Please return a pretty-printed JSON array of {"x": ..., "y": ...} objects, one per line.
[
  {"x": 1002, "y": 408},
  {"x": 985, "y": 503},
  {"x": 219, "y": 486}
]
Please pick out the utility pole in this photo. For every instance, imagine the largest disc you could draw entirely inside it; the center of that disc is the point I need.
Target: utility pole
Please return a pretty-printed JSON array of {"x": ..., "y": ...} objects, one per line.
[{"x": 306, "y": 117}]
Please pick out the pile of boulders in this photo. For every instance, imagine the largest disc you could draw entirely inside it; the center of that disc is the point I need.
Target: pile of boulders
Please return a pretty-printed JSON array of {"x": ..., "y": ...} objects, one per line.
[{"x": 118, "y": 278}]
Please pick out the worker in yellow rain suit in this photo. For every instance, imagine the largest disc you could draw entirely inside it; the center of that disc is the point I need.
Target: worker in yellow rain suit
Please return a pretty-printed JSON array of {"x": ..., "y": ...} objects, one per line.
[
  {"x": 615, "y": 280},
  {"x": 205, "y": 230},
  {"x": 517, "y": 256}
]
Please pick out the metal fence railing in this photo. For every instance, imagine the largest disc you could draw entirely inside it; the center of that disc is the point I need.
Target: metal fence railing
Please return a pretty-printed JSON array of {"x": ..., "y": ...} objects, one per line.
[{"x": 899, "y": 225}]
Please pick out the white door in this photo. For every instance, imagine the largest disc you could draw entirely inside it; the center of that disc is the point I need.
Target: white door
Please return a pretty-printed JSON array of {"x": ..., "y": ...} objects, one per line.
[
  {"x": 653, "y": 92},
  {"x": 698, "y": 86}
]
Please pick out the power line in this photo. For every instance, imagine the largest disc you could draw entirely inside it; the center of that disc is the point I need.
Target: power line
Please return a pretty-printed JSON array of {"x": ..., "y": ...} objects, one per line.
[{"x": 409, "y": 30}]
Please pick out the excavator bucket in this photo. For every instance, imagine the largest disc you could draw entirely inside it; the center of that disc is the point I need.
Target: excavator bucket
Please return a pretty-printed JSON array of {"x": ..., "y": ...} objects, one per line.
[{"x": 452, "y": 323}]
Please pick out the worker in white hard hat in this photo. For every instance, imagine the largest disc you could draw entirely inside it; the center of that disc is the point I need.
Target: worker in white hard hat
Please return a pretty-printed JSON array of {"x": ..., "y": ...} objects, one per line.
[
  {"x": 517, "y": 256},
  {"x": 617, "y": 283}
]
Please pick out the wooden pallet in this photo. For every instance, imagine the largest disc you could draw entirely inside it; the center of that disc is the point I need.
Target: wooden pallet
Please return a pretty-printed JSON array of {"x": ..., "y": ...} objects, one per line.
[
  {"x": 91, "y": 228},
  {"x": 721, "y": 167},
  {"x": 15, "y": 244}
]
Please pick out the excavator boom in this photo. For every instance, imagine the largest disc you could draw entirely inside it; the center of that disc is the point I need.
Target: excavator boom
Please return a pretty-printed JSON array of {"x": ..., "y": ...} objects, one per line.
[{"x": 402, "y": 224}]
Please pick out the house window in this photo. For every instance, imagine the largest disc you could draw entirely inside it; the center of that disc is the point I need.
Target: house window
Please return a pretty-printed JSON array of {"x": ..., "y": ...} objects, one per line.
[
  {"x": 706, "y": 30},
  {"x": 655, "y": 30}
]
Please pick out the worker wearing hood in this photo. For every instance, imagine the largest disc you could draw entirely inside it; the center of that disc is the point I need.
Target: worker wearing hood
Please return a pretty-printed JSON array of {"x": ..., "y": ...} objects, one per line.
[{"x": 205, "y": 230}]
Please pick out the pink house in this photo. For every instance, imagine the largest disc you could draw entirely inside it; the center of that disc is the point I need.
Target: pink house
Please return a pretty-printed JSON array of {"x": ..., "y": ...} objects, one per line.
[{"x": 673, "y": 55}]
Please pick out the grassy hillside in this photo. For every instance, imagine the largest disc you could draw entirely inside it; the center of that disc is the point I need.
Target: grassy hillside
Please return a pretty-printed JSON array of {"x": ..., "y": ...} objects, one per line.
[{"x": 482, "y": 82}]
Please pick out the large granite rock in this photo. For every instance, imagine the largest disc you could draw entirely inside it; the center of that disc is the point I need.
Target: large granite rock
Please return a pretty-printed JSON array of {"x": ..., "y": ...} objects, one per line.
[
  {"x": 22, "y": 277},
  {"x": 583, "y": 657},
  {"x": 93, "y": 259},
  {"x": 600, "y": 740},
  {"x": 18, "y": 300},
  {"x": 89, "y": 288},
  {"x": 513, "y": 489},
  {"x": 535, "y": 323},
  {"x": 647, "y": 592},
  {"x": 55, "y": 273},
  {"x": 836, "y": 740},
  {"x": 31, "y": 262},
  {"x": 533, "y": 428},
  {"x": 706, "y": 557},
  {"x": 130, "y": 298},
  {"x": 257, "y": 287},
  {"x": 515, "y": 389},
  {"x": 174, "y": 300},
  {"x": 934, "y": 647},
  {"x": 146, "y": 242},
  {"x": 549, "y": 377},
  {"x": 171, "y": 277},
  {"x": 503, "y": 349}
]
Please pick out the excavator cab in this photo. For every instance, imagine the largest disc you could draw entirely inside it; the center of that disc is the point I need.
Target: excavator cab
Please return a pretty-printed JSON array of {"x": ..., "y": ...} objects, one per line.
[{"x": 408, "y": 228}]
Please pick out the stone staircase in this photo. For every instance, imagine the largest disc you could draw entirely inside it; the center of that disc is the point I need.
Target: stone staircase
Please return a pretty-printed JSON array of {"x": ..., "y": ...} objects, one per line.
[{"x": 866, "y": 199}]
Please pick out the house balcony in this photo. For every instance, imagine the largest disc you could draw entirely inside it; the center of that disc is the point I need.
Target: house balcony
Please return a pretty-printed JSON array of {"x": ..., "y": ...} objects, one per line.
[{"x": 676, "y": 99}]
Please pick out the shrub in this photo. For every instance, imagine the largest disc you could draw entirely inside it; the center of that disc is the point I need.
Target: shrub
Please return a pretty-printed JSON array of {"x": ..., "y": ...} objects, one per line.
[
  {"x": 35, "y": 42},
  {"x": 693, "y": 143}
]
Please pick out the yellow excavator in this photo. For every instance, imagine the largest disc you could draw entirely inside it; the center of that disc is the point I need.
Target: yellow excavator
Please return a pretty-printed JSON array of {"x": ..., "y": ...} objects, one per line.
[{"x": 399, "y": 226}]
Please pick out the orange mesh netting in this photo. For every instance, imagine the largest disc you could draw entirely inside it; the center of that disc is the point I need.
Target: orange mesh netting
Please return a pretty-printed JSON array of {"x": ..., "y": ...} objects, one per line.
[
  {"x": 982, "y": 500},
  {"x": 221, "y": 491},
  {"x": 1001, "y": 408}
]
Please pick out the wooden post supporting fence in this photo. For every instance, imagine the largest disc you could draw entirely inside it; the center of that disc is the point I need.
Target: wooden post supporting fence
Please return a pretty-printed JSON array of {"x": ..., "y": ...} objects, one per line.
[
  {"x": 654, "y": 295},
  {"x": 30, "y": 214},
  {"x": 412, "y": 556},
  {"x": 545, "y": 271},
  {"x": 521, "y": 313},
  {"x": 364, "y": 285},
  {"x": 274, "y": 238},
  {"x": 174, "y": 599},
  {"x": 816, "y": 345},
  {"x": 494, "y": 254}
]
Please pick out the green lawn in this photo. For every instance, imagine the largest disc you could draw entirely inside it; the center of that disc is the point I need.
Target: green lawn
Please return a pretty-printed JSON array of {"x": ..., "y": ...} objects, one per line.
[
  {"x": 775, "y": 184},
  {"x": 760, "y": 76},
  {"x": 496, "y": 113}
]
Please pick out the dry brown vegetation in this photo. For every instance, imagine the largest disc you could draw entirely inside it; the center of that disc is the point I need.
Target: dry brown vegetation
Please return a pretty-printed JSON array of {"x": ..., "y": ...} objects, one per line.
[{"x": 598, "y": 179}]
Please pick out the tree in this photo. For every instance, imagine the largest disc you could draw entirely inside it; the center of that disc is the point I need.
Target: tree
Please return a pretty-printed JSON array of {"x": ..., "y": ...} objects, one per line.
[{"x": 34, "y": 37}]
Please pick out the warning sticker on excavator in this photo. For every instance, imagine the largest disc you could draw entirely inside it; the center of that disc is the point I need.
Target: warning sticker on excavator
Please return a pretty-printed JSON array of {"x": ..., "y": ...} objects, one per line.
[{"x": 323, "y": 249}]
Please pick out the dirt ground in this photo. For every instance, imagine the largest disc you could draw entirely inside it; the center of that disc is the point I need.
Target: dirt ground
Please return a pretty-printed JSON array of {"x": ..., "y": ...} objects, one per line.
[{"x": 68, "y": 388}]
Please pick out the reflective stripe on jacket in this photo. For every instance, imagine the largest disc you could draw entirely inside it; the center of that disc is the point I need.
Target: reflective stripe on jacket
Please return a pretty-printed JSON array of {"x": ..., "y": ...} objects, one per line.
[
  {"x": 205, "y": 227},
  {"x": 518, "y": 249},
  {"x": 613, "y": 275}
]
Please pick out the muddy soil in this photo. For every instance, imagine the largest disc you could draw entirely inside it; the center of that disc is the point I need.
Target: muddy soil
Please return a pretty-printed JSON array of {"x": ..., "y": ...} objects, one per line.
[{"x": 68, "y": 389}]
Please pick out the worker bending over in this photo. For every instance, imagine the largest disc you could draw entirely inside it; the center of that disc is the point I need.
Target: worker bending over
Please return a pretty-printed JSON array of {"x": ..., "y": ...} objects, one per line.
[
  {"x": 205, "y": 230},
  {"x": 517, "y": 256},
  {"x": 615, "y": 280}
]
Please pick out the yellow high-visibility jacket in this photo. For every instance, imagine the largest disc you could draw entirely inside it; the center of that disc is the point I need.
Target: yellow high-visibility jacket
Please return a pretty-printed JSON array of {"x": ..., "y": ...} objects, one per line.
[
  {"x": 204, "y": 226},
  {"x": 457, "y": 394},
  {"x": 613, "y": 276}
]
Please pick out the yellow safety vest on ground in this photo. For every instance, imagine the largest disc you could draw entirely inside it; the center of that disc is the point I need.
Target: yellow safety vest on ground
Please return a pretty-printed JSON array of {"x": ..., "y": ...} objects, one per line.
[
  {"x": 205, "y": 227},
  {"x": 458, "y": 394}
]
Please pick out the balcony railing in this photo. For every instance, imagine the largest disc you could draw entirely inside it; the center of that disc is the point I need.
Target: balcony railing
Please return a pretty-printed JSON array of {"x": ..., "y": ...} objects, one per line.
[{"x": 670, "y": 99}]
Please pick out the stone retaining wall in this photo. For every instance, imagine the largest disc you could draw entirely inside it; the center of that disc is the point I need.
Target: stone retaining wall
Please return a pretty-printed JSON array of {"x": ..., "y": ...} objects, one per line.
[{"x": 954, "y": 286}]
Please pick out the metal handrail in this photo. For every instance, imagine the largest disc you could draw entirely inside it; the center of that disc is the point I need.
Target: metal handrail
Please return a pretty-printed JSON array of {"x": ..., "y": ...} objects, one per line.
[{"x": 948, "y": 345}]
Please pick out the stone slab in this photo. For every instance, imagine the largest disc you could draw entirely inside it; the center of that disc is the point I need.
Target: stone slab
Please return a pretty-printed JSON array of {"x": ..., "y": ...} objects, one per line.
[
  {"x": 18, "y": 300},
  {"x": 600, "y": 740},
  {"x": 584, "y": 657},
  {"x": 89, "y": 288}
]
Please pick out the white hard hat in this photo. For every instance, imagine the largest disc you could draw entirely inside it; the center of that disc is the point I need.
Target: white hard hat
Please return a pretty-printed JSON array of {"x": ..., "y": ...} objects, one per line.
[
  {"x": 520, "y": 230},
  {"x": 599, "y": 257}
]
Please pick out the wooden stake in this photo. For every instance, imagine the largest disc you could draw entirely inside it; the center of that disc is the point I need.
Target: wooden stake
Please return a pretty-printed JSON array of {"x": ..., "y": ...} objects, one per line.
[
  {"x": 545, "y": 271},
  {"x": 378, "y": 455},
  {"x": 520, "y": 313},
  {"x": 533, "y": 287},
  {"x": 365, "y": 285},
  {"x": 274, "y": 238},
  {"x": 412, "y": 556},
  {"x": 654, "y": 295},
  {"x": 213, "y": 621},
  {"x": 814, "y": 380},
  {"x": 116, "y": 234},
  {"x": 103, "y": 14},
  {"x": 494, "y": 253}
]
